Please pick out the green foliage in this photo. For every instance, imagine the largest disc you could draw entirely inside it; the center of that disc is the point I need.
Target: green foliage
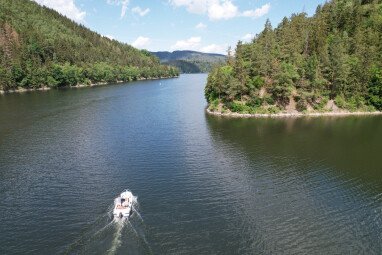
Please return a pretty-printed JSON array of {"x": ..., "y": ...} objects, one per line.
[
  {"x": 340, "y": 102},
  {"x": 273, "y": 110},
  {"x": 281, "y": 93},
  {"x": 375, "y": 89},
  {"x": 239, "y": 107},
  {"x": 301, "y": 103},
  {"x": 185, "y": 66},
  {"x": 5, "y": 79},
  {"x": 40, "y": 47},
  {"x": 352, "y": 104},
  {"x": 221, "y": 84},
  {"x": 269, "y": 100},
  {"x": 255, "y": 102},
  {"x": 214, "y": 104},
  {"x": 320, "y": 104},
  {"x": 336, "y": 54},
  {"x": 256, "y": 82}
]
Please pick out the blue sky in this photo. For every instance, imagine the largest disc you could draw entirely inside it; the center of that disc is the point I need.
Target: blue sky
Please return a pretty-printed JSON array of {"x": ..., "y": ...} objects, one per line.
[{"x": 203, "y": 25}]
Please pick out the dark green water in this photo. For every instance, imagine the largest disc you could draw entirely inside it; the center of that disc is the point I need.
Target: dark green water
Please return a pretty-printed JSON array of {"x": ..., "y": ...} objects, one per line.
[{"x": 205, "y": 185}]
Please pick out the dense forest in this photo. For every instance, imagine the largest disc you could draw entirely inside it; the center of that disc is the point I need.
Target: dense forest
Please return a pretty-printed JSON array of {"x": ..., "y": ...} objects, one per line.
[
  {"x": 188, "y": 61},
  {"x": 185, "y": 66},
  {"x": 327, "y": 62},
  {"x": 39, "y": 47}
]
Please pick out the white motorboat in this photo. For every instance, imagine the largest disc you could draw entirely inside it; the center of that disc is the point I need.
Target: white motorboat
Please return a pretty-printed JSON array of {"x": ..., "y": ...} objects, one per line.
[{"x": 123, "y": 205}]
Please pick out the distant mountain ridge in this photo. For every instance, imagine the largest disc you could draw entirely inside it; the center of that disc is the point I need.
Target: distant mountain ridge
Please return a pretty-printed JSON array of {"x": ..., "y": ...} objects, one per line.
[
  {"x": 185, "y": 55},
  {"x": 190, "y": 61}
]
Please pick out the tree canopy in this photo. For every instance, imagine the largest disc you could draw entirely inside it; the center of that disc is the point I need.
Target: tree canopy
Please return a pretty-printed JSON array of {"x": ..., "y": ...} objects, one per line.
[
  {"x": 40, "y": 47},
  {"x": 334, "y": 55}
]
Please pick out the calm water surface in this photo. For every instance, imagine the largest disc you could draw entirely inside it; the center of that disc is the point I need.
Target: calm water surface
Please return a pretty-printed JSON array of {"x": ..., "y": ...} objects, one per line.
[{"x": 205, "y": 185}]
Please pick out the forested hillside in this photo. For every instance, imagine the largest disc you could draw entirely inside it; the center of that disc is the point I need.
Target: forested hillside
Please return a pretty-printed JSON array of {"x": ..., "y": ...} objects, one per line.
[
  {"x": 191, "y": 61},
  {"x": 40, "y": 47},
  {"x": 327, "y": 62},
  {"x": 185, "y": 66}
]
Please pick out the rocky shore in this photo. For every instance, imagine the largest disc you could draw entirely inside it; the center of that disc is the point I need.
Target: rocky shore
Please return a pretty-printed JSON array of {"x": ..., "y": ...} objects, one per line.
[{"x": 290, "y": 115}]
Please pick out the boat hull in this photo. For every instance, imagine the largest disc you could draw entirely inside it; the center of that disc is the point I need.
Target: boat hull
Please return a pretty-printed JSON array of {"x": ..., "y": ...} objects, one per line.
[{"x": 123, "y": 205}]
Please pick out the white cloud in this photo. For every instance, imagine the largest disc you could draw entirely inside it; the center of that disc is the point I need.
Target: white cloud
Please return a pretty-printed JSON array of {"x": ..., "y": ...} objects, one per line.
[
  {"x": 65, "y": 7},
  {"x": 219, "y": 9},
  {"x": 193, "y": 6},
  {"x": 123, "y": 3},
  {"x": 247, "y": 37},
  {"x": 201, "y": 26},
  {"x": 224, "y": 10},
  {"x": 214, "y": 48},
  {"x": 195, "y": 43},
  {"x": 192, "y": 43},
  {"x": 141, "y": 42},
  {"x": 140, "y": 11},
  {"x": 259, "y": 12}
]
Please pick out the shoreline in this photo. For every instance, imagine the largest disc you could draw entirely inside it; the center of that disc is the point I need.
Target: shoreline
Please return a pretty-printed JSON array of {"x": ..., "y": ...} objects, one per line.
[
  {"x": 45, "y": 88},
  {"x": 22, "y": 90},
  {"x": 291, "y": 115}
]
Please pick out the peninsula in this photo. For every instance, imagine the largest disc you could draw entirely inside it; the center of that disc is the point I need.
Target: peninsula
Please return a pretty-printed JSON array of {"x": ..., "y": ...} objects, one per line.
[{"x": 327, "y": 64}]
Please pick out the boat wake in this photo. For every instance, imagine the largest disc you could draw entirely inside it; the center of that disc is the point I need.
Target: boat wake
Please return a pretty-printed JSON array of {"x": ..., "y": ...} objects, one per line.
[
  {"x": 112, "y": 235},
  {"x": 116, "y": 243}
]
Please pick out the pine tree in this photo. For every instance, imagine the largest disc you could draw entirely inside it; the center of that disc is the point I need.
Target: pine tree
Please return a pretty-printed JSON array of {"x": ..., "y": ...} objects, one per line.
[{"x": 336, "y": 53}]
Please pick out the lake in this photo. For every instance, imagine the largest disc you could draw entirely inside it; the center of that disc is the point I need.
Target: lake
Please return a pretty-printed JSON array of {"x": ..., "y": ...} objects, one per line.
[{"x": 205, "y": 184}]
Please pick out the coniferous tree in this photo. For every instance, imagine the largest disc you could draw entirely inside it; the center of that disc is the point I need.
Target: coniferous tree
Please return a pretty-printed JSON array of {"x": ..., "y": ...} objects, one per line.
[
  {"x": 40, "y": 47},
  {"x": 334, "y": 55}
]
